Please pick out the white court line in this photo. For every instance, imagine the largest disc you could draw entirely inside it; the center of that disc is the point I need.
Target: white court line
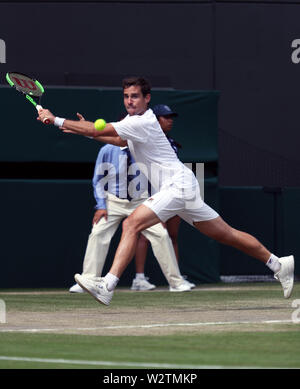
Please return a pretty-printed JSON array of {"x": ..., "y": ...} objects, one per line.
[
  {"x": 123, "y": 364},
  {"x": 144, "y": 326}
]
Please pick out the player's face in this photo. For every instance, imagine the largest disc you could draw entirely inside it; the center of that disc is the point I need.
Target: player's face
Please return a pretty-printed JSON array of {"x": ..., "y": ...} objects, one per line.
[
  {"x": 166, "y": 122},
  {"x": 134, "y": 101}
]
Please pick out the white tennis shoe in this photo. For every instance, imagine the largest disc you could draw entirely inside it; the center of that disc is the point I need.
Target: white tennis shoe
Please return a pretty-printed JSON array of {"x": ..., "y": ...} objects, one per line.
[
  {"x": 97, "y": 289},
  {"x": 76, "y": 289},
  {"x": 142, "y": 284},
  {"x": 286, "y": 275},
  {"x": 183, "y": 287},
  {"x": 192, "y": 285}
]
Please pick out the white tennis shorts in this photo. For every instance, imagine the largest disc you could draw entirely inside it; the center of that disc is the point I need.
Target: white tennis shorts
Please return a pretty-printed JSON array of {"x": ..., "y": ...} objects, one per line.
[{"x": 168, "y": 203}]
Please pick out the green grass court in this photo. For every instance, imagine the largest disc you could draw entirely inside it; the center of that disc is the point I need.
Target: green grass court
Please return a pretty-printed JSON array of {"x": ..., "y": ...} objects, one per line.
[{"x": 214, "y": 326}]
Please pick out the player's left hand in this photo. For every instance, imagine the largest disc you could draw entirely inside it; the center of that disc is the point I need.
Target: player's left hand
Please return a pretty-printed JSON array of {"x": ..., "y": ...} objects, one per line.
[
  {"x": 45, "y": 114},
  {"x": 80, "y": 117}
]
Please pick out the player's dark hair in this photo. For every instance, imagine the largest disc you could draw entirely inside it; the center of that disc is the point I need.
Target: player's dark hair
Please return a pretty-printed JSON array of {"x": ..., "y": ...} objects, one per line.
[{"x": 137, "y": 81}]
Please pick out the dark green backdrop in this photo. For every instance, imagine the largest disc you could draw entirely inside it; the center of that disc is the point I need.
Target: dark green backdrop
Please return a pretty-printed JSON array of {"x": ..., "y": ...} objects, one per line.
[
  {"x": 28, "y": 140},
  {"x": 44, "y": 230},
  {"x": 45, "y": 223}
]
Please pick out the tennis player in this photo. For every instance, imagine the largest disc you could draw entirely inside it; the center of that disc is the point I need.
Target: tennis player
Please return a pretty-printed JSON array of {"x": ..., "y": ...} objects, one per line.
[
  {"x": 178, "y": 191},
  {"x": 165, "y": 116}
]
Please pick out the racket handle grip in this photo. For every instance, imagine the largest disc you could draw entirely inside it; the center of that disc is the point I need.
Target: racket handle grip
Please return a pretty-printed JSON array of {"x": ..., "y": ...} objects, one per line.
[{"x": 45, "y": 121}]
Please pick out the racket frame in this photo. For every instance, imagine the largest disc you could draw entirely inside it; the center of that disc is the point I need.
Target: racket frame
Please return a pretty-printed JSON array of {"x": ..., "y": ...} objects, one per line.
[{"x": 28, "y": 96}]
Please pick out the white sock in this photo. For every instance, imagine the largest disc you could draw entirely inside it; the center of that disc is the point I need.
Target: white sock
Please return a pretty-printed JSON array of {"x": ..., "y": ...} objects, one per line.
[
  {"x": 273, "y": 263},
  {"x": 111, "y": 281},
  {"x": 140, "y": 276}
]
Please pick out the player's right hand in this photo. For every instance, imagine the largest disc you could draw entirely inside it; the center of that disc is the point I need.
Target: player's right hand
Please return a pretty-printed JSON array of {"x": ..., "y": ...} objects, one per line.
[
  {"x": 46, "y": 114},
  {"x": 99, "y": 214}
]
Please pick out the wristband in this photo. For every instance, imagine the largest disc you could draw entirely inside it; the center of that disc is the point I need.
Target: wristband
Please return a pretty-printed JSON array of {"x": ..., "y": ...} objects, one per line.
[{"x": 58, "y": 122}]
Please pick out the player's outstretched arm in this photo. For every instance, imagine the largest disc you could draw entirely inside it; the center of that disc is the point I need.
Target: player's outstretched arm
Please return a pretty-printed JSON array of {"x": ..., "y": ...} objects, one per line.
[
  {"x": 107, "y": 135},
  {"x": 84, "y": 127},
  {"x": 113, "y": 140}
]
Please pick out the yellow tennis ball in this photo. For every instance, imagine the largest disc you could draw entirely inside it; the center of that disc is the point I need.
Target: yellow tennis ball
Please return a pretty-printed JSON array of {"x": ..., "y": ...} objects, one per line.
[{"x": 100, "y": 124}]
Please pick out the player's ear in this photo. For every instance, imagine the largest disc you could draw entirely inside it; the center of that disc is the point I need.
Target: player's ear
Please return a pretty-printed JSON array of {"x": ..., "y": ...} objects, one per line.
[{"x": 148, "y": 98}]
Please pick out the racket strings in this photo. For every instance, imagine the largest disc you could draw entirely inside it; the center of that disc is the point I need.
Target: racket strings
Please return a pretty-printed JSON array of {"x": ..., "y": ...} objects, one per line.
[{"x": 25, "y": 84}]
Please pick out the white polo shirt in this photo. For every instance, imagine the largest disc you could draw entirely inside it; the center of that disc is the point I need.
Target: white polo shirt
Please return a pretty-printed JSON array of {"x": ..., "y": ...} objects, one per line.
[
  {"x": 153, "y": 152},
  {"x": 178, "y": 191}
]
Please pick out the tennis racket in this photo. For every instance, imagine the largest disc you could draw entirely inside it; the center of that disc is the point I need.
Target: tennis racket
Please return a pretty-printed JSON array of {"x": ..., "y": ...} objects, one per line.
[{"x": 29, "y": 87}]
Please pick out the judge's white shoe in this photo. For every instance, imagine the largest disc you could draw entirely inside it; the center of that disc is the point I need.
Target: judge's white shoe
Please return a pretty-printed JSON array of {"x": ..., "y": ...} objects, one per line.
[
  {"x": 183, "y": 287},
  {"x": 97, "y": 289},
  {"x": 286, "y": 275},
  {"x": 192, "y": 285},
  {"x": 142, "y": 284}
]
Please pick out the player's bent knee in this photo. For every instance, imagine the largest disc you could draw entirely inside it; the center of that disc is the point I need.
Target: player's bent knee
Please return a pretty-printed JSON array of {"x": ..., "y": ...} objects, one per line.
[
  {"x": 130, "y": 225},
  {"x": 126, "y": 224}
]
